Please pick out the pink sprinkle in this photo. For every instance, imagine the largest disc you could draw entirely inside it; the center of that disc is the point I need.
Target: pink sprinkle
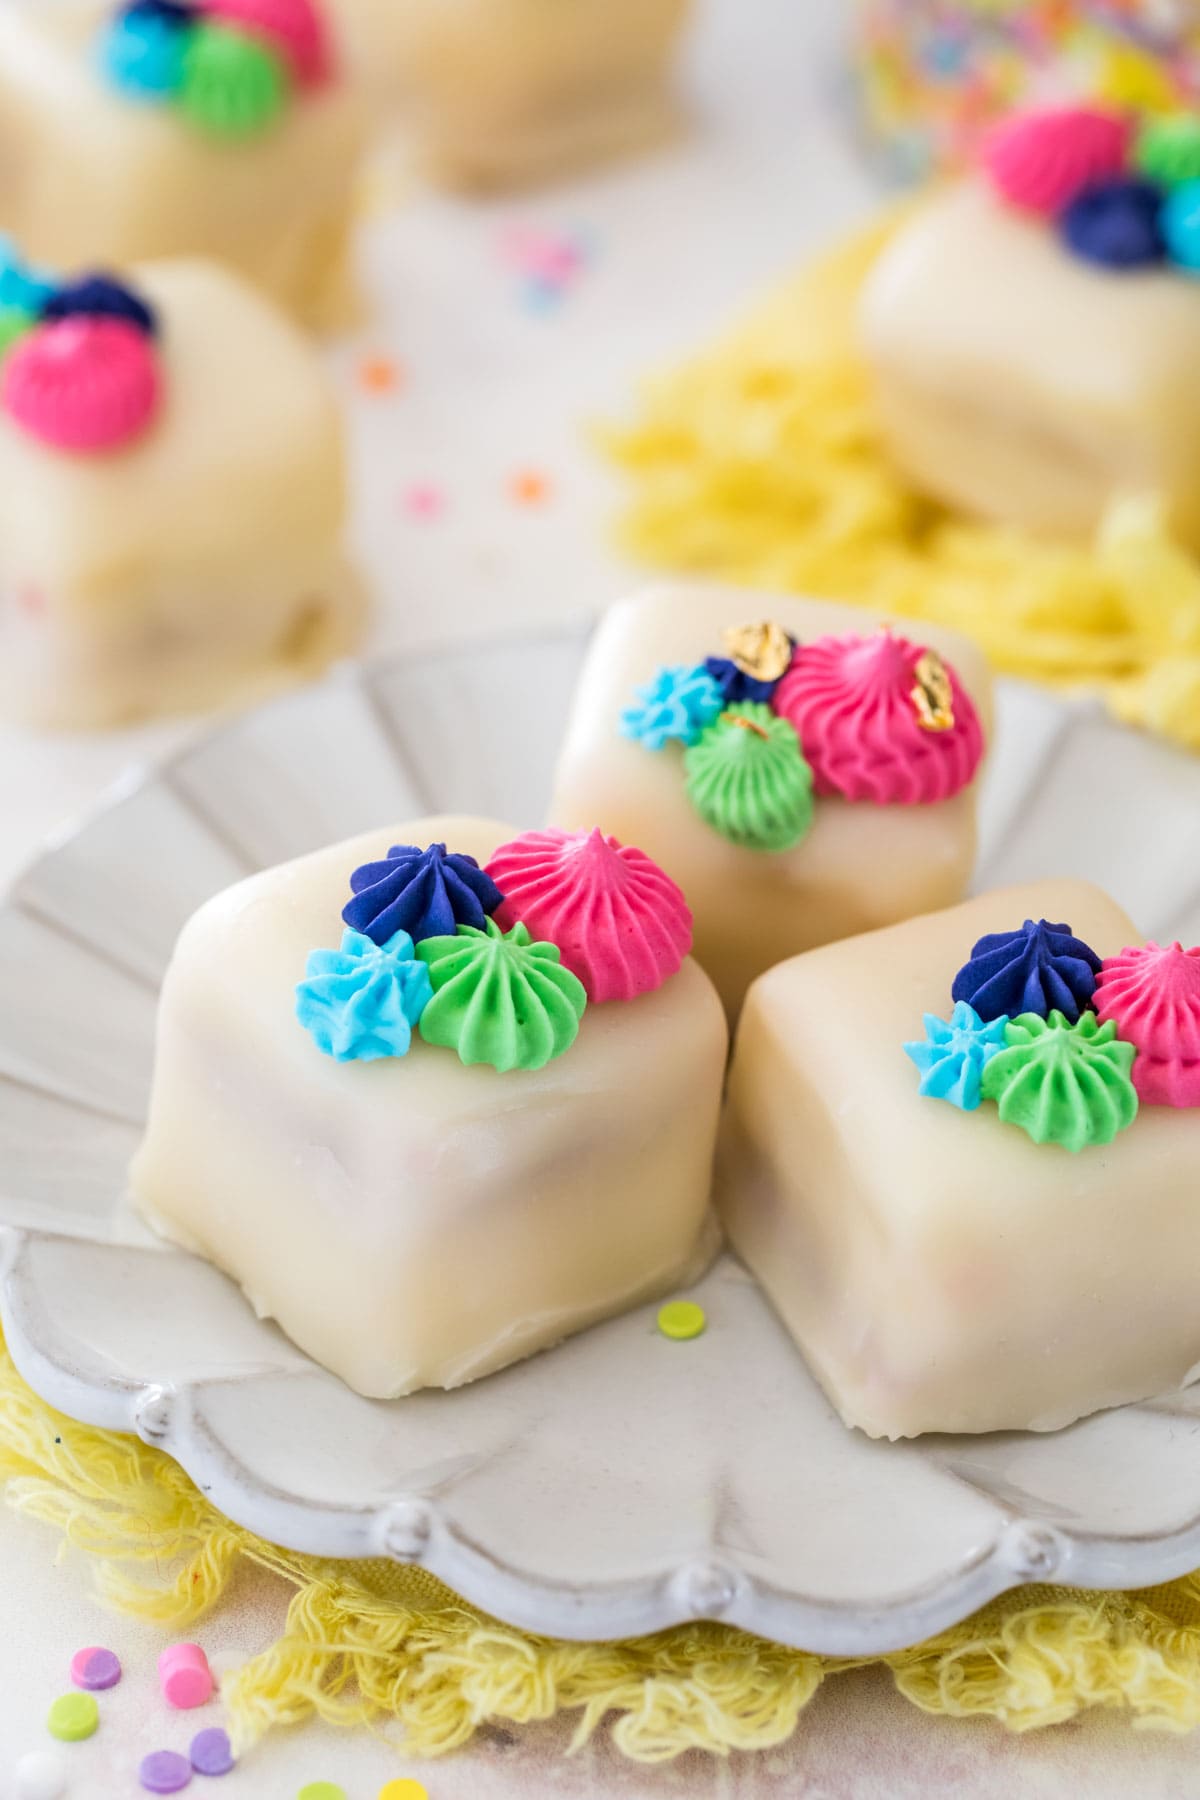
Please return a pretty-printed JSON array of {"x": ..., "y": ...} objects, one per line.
[
  {"x": 184, "y": 1676},
  {"x": 31, "y": 600},
  {"x": 424, "y": 501},
  {"x": 1040, "y": 161}
]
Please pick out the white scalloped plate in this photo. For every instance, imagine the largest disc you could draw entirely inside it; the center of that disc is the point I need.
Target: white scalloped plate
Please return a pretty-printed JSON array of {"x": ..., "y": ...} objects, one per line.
[{"x": 620, "y": 1483}]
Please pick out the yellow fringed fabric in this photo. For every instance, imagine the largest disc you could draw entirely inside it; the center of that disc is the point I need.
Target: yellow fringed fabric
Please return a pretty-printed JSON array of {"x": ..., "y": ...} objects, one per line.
[
  {"x": 758, "y": 463},
  {"x": 370, "y": 1643}
]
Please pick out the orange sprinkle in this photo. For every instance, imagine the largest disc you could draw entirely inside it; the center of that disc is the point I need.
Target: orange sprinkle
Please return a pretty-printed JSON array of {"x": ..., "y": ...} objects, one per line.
[
  {"x": 529, "y": 488},
  {"x": 379, "y": 374}
]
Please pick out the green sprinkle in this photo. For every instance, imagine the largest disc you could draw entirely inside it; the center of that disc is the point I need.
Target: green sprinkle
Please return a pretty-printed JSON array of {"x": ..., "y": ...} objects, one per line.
[
  {"x": 73, "y": 1717},
  {"x": 681, "y": 1320}
]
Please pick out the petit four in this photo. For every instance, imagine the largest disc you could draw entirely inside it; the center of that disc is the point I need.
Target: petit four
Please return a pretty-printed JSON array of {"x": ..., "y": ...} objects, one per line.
[
  {"x": 132, "y": 129},
  {"x": 1031, "y": 332},
  {"x": 804, "y": 775},
  {"x": 960, "y": 1157},
  {"x": 481, "y": 1123},
  {"x": 496, "y": 93},
  {"x": 171, "y": 495}
]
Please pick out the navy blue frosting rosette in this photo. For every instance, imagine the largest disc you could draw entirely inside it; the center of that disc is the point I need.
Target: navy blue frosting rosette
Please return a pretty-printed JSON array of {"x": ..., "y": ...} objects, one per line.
[
  {"x": 427, "y": 893},
  {"x": 1039, "y": 969}
]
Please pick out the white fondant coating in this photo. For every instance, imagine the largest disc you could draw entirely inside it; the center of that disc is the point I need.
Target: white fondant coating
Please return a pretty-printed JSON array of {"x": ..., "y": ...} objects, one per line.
[
  {"x": 499, "y": 92},
  {"x": 860, "y": 865},
  {"x": 90, "y": 175},
  {"x": 413, "y": 1222},
  {"x": 940, "y": 1270},
  {"x": 205, "y": 556},
  {"x": 1020, "y": 383}
]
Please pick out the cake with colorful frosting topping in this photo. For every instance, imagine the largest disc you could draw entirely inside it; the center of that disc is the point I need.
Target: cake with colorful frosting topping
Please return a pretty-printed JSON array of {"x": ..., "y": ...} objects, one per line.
[
  {"x": 132, "y": 129},
  {"x": 1031, "y": 330},
  {"x": 993, "y": 1224},
  {"x": 469, "y": 1079},
  {"x": 184, "y": 439},
  {"x": 802, "y": 769}
]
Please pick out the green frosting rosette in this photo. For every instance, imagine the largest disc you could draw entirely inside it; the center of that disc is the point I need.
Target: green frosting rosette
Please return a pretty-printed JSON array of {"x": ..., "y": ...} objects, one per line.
[
  {"x": 1062, "y": 1083},
  {"x": 500, "y": 998},
  {"x": 747, "y": 778},
  {"x": 233, "y": 86}
]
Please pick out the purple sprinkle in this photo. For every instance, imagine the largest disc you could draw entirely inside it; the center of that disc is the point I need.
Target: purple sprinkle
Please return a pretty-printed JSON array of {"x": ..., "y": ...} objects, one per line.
[
  {"x": 164, "y": 1772},
  {"x": 210, "y": 1752},
  {"x": 95, "y": 1669}
]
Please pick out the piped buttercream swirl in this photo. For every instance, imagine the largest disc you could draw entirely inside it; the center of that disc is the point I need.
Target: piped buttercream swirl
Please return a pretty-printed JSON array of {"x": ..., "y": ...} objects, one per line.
[
  {"x": 860, "y": 708},
  {"x": 622, "y": 925},
  {"x": 500, "y": 998},
  {"x": 361, "y": 1002},
  {"x": 1041, "y": 160},
  {"x": 427, "y": 893},
  {"x": 1152, "y": 996},
  {"x": 748, "y": 779},
  {"x": 1041, "y": 968},
  {"x": 1063, "y": 1083}
]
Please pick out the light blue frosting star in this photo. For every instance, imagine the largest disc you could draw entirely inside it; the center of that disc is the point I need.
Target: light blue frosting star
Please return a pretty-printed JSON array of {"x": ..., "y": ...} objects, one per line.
[
  {"x": 953, "y": 1056},
  {"x": 142, "y": 52},
  {"x": 679, "y": 703},
  {"x": 21, "y": 287},
  {"x": 1180, "y": 223},
  {"x": 362, "y": 1001}
]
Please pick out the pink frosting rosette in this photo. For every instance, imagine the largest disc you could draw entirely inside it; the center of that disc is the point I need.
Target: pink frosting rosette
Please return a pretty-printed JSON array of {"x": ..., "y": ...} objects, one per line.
[
  {"x": 83, "y": 383},
  {"x": 860, "y": 706},
  {"x": 1152, "y": 995},
  {"x": 295, "y": 28},
  {"x": 1040, "y": 161},
  {"x": 621, "y": 925}
]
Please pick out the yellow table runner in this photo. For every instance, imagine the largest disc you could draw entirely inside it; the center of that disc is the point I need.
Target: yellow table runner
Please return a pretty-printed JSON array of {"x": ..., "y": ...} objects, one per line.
[
  {"x": 371, "y": 1642},
  {"x": 758, "y": 463}
]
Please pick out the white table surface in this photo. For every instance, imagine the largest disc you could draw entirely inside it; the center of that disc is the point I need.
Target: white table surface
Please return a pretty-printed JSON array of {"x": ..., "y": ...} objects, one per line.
[{"x": 490, "y": 388}]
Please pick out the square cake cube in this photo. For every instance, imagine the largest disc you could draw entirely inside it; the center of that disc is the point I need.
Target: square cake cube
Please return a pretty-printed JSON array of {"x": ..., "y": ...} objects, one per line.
[
  {"x": 1025, "y": 385},
  {"x": 203, "y": 557},
  {"x": 497, "y": 93},
  {"x": 414, "y": 1221},
  {"x": 940, "y": 1269},
  {"x": 859, "y": 865},
  {"x": 92, "y": 174}
]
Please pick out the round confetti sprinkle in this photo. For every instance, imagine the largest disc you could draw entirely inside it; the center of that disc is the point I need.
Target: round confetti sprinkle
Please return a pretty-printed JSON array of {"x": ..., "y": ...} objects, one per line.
[
  {"x": 403, "y": 1789},
  {"x": 42, "y": 1775},
  {"x": 164, "y": 1772},
  {"x": 95, "y": 1669},
  {"x": 210, "y": 1752},
  {"x": 681, "y": 1319},
  {"x": 72, "y": 1718},
  {"x": 322, "y": 1790},
  {"x": 529, "y": 488},
  {"x": 423, "y": 501},
  {"x": 379, "y": 374}
]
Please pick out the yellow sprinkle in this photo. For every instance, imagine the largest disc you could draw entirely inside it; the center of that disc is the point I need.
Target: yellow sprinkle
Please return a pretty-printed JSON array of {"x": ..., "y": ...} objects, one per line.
[
  {"x": 681, "y": 1319},
  {"x": 403, "y": 1789}
]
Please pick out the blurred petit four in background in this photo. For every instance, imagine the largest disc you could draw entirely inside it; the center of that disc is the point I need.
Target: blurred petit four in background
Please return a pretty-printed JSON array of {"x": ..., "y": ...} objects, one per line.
[
  {"x": 132, "y": 129},
  {"x": 1032, "y": 331},
  {"x": 500, "y": 93},
  {"x": 172, "y": 496}
]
